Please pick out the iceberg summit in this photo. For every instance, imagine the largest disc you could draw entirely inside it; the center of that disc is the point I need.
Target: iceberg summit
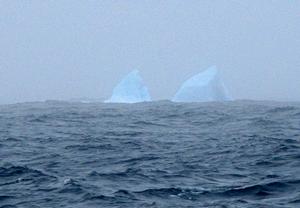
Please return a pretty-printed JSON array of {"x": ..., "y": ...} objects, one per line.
[
  {"x": 206, "y": 86},
  {"x": 131, "y": 89}
]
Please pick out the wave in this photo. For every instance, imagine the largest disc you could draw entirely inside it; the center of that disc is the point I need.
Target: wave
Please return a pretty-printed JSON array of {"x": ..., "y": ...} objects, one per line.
[
  {"x": 282, "y": 109},
  {"x": 17, "y": 174},
  {"x": 88, "y": 147},
  {"x": 135, "y": 173},
  {"x": 72, "y": 186},
  {"x": 257, "y": 190},
  {"x": 5, "y": 197},
  {"x": 264, "y": 122},
  {"x": 262, "y": 190},
  {"x": 19, "y": 171}
]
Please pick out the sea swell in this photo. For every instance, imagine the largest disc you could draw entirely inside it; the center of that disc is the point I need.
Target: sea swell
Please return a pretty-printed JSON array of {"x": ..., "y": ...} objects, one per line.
[{"x": 159, "y": 154}]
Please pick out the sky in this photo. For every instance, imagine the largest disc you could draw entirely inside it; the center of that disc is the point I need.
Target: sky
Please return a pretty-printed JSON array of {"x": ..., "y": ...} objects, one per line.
[{"x": 81, "y": 49}]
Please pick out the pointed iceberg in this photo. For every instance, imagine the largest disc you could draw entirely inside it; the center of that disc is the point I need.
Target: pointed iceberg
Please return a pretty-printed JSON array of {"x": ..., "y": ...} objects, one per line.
[
  {"x": 206, "y": 86},
  {"x": 131, "y": 89}
]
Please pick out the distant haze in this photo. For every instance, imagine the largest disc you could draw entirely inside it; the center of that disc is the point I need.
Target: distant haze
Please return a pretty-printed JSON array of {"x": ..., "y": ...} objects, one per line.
[{"x": 72, "y": 49}]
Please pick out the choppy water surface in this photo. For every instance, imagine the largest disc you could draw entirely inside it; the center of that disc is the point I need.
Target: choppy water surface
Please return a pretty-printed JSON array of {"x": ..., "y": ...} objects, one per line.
[{"x": 161, "y": 154}]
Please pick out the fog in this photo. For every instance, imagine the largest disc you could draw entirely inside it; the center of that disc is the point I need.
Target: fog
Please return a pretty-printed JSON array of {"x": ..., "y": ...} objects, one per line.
[{"x": 74, "y": 49}]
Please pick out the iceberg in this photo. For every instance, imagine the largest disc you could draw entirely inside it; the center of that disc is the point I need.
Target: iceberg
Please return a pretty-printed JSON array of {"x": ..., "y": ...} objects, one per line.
[
  {"x": 131, "y": 89},
  {"x": 206, "y": 86}
]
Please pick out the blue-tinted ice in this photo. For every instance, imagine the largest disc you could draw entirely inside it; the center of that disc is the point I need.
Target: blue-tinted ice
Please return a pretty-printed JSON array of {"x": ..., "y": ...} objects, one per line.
[
  {"x": 206, "y": 86},
  {"x": 131, "y": 89}
]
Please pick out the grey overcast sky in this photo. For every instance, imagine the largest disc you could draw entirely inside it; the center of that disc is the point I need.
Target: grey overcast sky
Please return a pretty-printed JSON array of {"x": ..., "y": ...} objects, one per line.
[{"x": 71, "y": 49}]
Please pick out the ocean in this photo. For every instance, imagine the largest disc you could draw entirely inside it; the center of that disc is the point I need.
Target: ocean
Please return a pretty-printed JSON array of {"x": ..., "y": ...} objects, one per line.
[{"x": 157, "y": 154}]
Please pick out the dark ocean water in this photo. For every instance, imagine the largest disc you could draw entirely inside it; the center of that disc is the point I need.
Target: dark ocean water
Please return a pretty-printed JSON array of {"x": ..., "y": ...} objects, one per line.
[{"x": 161, "y": 154}]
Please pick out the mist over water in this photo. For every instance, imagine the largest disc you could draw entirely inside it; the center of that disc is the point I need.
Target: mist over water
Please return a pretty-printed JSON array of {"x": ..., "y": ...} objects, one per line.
[
  {"x": 62, "y": 50},
  {"x": 159, "y": 154}
]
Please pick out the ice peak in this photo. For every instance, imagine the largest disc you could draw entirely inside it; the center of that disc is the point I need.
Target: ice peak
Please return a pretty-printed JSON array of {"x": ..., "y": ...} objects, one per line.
[
  {"x": 131, "y": 89},
  {"x": 204, "y": 87}
]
